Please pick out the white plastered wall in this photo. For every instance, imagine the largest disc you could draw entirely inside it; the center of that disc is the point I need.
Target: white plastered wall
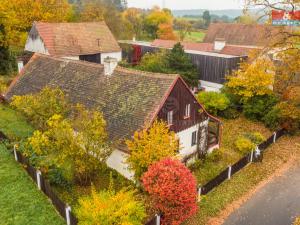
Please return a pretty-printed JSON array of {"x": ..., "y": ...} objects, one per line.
[
  {"x": 36, "y": 45},
  {"x": 71, "y": 57},
  {"x": 116, "y": 55},
  {"x": 185, "y": 139},
  {"x": 117, "y": 161}
]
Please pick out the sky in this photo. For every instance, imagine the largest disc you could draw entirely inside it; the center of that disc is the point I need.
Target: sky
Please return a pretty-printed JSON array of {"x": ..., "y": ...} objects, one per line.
[{"x": 188, "y": 4}]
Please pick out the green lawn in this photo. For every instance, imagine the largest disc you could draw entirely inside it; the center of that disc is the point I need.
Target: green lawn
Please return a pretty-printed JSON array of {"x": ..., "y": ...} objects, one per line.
[
  {"x": 13, "y": 124},
  {"x": 194, "y": 36},
  {"x": 20, "y": 200},
  {"x": 229, "y": 155}
]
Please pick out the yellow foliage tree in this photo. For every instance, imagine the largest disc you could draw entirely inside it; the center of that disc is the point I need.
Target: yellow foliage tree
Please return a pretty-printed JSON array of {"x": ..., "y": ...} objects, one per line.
[
  {"x": 17, "y": 17},
  {"x": 252, "y": 79},
  {"x": 151, "y": 145},
  {"x": 78, "y": 147},
  {"x": 109, "y": 208},
  {"x": 40, "y": 107}
]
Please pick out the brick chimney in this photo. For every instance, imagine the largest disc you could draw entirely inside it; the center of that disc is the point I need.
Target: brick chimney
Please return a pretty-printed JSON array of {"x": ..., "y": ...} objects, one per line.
[{"x": 109, "y": 65}]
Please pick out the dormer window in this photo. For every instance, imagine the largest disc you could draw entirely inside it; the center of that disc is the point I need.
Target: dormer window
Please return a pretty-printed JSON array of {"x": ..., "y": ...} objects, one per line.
[
  {"x": 187, "y": 113},
  {"x": 170, "y": 118}
]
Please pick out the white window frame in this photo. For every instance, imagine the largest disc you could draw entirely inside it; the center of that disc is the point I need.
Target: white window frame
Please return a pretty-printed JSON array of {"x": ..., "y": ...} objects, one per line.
[
  {"x": 187, "y": 112},
  {"x": 170, "y": 117},
  {"x": 196, "y": 134}
]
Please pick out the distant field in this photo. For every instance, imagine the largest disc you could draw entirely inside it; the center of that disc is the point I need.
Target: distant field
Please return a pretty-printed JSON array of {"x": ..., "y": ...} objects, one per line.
[{"x": 194, "y": 36}]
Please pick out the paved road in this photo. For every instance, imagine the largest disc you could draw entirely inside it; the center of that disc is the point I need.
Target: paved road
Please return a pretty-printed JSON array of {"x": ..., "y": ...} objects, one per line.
[{"x": 278, "y": 203}]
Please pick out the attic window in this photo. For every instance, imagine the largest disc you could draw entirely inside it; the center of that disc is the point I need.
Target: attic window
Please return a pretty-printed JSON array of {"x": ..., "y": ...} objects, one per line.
[
  {"x": 170, "y": 118},
  {"x": 187, "y": 113}
]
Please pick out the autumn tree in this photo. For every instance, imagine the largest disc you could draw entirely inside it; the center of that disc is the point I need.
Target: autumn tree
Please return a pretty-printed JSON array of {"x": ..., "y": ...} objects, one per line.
[
  {"x": 41, "y": 106},
  {"x": 155, "y": 18},
  {"x": 78, "y": 146},
  {"x": 149, "y": 146},
  {"x": 108, "y": 208},
  {"x": 17, "y": 17},
  {"x": 283, "y": 45},
  {"x": 172, "y": 189},
  {"x": 252, "y": 79},
  {"x": 184, "y": 27},
  {"x": 133, "y": 19},
  {"x": 165, "y": 32}
]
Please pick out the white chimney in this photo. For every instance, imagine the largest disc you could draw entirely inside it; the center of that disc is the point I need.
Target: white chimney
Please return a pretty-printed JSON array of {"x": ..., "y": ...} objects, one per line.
[
  {"x": 109, "y": 65},
  {"x": 219, "y": 44},
  {"x": 20, "y": 66}
]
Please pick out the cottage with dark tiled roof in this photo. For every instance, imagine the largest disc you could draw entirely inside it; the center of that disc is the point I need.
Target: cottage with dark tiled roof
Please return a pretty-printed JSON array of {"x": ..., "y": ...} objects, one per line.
[
  {"x": 89, "y": 41},
  {"x": 129, "y": 100}
]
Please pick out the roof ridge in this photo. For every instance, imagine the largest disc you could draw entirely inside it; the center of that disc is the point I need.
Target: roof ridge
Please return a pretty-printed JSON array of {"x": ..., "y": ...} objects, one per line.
[
  {"x": 118, "y": 68},
  {"x": 146, "y": 73}
]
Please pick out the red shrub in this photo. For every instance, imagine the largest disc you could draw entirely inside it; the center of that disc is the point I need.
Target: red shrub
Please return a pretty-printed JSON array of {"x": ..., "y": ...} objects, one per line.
[{"x": 172, "y": 188}]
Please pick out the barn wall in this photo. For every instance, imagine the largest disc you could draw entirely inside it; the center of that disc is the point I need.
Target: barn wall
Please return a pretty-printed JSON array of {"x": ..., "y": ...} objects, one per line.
[{"x": 210, "y": 68}]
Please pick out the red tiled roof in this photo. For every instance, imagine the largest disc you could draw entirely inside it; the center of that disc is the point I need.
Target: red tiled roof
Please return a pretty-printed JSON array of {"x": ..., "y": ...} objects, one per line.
[
  {"x": 73, "y": 39},
  {"x": 204, "y": 47}
]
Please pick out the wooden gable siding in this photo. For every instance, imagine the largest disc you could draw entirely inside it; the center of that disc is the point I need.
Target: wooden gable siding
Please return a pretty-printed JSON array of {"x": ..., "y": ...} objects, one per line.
[{"x": 179, "y": 97}]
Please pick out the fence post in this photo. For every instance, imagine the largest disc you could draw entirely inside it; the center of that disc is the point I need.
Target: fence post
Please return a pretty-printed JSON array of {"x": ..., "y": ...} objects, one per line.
[
  {"x": 199, "y": 194},
  {"x": 15, "y": 153},
  {"x": 157, "y": 219},
  {"x": 229, "y": 172},
  {"x": 68, "y": 210},
  {"x": 274, "y": 137},
  {"x": 251, "y": 156},
  {"x": 38, "y": 179}
]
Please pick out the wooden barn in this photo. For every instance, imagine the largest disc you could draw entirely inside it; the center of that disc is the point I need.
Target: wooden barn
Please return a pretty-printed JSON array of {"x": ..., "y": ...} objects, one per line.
[{"x": 212, "y": 60}]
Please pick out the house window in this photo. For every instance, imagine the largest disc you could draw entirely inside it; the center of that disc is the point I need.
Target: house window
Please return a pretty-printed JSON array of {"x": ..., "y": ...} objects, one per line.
[
  {"x": 194, "y": 138},
  {"x": 170, "y": 117},
  {"x": 187, "y": 113}
]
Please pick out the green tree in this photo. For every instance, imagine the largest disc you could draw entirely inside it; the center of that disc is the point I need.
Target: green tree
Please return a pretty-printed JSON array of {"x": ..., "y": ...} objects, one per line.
[
  {"x": 179, "y": 62},
  {"x": 151, "y": 145},
  {"x": 206, "y": 17},
  {"x": 109, "y": 208}
]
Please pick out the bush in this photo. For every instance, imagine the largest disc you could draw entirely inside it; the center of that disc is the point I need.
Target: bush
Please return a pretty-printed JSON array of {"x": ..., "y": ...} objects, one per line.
[
  {"x": 230, "y": 113},
  {"x": 107, "y": 207},
  {"x": 258, "y": 106},
  {"x": 297, "y": 221},
  {"x": 244, "y": 145},
  {"x": 215, "y": 156},
  {"x": 172, "y": 189},
  {"x": 272, "y": 118},
  {"x": 289, "y": 115},
  {"x": 213, "y": 102},
  {"x": 256, "y": 137}
]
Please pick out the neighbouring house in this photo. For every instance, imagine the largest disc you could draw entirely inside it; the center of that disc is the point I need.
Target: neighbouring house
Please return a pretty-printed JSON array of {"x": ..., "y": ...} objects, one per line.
[
  {"x": 89, "y": 41},
  {"x": 224, "y": 47},
  {"x": 238, "y": 34},
  {"x": 129, "y": 99}
]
